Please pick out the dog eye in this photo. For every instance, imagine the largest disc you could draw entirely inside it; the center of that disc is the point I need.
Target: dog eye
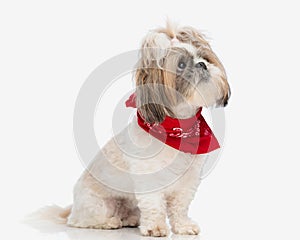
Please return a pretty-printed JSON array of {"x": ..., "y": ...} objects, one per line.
[
  {"x": 181, "y": 65},
  {"x": 201, "y": 65}
]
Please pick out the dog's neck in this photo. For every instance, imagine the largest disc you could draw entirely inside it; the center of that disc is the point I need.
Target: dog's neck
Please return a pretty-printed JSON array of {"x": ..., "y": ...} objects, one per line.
[{"x": 184, "y": 110}]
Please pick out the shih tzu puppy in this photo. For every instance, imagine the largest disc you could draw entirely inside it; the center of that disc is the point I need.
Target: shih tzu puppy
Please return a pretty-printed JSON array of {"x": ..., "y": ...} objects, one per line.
[{"x": 151, "y": 170}]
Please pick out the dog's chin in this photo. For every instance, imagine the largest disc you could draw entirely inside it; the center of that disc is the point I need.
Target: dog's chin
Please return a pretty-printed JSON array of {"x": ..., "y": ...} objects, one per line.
[
  {"x": 208, "y": 91},
  {"x": 205, "y": 95}
]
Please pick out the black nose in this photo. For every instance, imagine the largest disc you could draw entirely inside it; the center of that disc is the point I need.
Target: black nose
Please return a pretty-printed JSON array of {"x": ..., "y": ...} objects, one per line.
[{"x": 201, "y": 65}]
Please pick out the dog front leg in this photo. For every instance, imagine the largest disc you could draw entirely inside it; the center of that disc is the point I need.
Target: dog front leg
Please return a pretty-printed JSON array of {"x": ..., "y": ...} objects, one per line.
[
  {"x": 177, "y": 209},
  {"x": 153, "y": 215}
]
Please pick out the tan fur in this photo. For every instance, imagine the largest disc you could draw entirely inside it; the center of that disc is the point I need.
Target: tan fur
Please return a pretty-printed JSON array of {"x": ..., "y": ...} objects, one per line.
[
  {"x": 192, "y": 36},
  {"x": 160, "y": 91},
  {"x": 52, "y": 213},
  {"x": 99, "y": 199},
  {"x": 156, "y": 73}
]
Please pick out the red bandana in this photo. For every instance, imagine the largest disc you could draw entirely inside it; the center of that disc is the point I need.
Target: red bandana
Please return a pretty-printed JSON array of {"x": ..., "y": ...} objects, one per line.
[{"x": 191, "y": 135}]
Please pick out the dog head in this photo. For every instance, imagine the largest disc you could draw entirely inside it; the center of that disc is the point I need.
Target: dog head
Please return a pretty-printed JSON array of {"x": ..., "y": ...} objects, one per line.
[{"x": 177, "y": 67}]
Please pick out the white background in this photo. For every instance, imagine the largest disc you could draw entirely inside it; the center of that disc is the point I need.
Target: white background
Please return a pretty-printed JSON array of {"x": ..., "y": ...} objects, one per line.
[{"x": 48, "y": 49}]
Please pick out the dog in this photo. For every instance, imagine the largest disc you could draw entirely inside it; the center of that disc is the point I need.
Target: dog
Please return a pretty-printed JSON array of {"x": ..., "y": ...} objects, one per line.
[{"x": 158, "y": 158}]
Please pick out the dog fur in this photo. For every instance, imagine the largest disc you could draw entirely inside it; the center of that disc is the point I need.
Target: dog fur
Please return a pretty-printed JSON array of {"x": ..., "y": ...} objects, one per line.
[{"x": 158, "y": 82}]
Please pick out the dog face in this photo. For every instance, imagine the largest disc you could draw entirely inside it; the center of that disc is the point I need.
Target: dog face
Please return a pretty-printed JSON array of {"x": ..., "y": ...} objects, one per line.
[{"x": 177, "y": 66}]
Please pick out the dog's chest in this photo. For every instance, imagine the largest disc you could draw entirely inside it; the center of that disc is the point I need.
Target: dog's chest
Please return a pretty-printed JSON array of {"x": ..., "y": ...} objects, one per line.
[{"x": 144, "y": 154}]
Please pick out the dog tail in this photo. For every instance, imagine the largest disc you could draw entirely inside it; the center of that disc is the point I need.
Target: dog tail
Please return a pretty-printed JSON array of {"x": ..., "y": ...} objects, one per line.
[{"x": 54, "y": 214}]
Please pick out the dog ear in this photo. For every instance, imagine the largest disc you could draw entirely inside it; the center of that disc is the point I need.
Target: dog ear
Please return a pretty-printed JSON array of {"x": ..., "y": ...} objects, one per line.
[
  {"x": 221, "y": 79},
  {"x": 152, "y": 83},
  {"x": 224, "y": 101},
  {"x": 150, "y": 95}
]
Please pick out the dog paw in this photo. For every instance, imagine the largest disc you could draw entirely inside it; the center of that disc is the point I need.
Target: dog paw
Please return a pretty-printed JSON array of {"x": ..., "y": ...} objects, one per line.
[
  {"x": 131, "y": 221},
  {"x": 112, "y": 223},
  {"x": 186, "y": 228},
  {"x": 159, "y": 230}
]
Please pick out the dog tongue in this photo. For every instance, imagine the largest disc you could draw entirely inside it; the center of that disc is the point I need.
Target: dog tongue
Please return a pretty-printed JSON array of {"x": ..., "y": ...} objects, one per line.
[{"x": 131, "y": 101}]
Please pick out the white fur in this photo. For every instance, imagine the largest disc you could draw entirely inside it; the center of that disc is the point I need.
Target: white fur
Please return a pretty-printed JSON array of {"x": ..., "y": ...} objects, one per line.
[
  {"x": 162, "y": 42},
  {"x": 200, "y": 59},
  {"x": 188, "y": 47},
  {"x": 110, "y": 194},
  {"x": 99, "y": 206},
  {"x": 208, "y": 92},
  {"x": 100, "y": 200}
]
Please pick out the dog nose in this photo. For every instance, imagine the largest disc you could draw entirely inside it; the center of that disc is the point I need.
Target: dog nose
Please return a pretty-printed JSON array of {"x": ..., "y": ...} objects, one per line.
[{"x": 201, "y": 65}]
